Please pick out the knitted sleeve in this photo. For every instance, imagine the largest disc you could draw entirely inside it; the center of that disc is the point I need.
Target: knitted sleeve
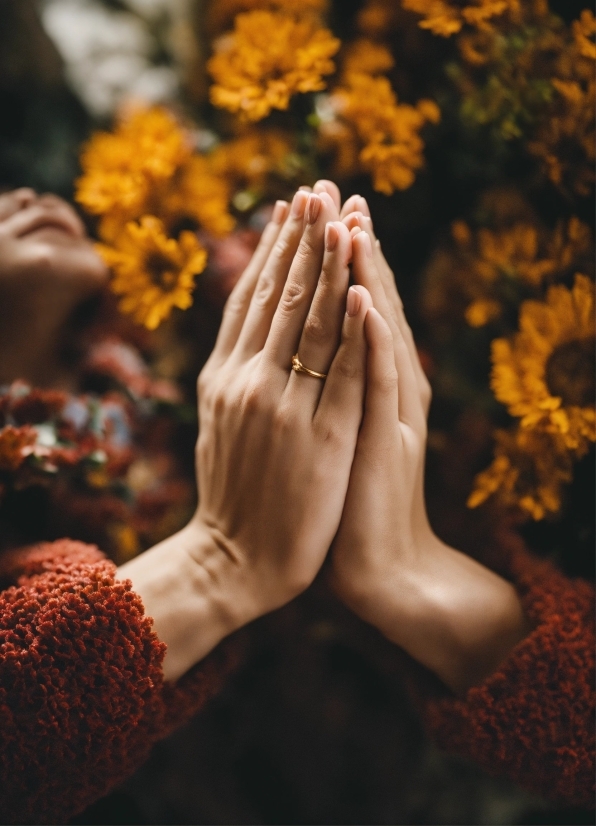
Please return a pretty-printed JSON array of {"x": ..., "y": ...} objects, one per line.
[
  {"x": 533, "y": 720},
  {"x": 82, "y": 698}
]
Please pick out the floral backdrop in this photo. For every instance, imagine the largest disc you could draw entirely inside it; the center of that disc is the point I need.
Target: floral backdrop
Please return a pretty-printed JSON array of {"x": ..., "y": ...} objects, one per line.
[{"x": 469, "y": 127}]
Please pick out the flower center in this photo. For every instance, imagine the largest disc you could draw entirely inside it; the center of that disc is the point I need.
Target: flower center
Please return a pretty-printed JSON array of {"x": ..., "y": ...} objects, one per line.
[
  {"x": 160, "y": 271},
  {"x": 570, "y": 372}
]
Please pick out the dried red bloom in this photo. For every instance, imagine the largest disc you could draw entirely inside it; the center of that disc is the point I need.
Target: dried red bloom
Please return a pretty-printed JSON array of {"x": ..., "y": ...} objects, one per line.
[{"x": 15, "y": 445}]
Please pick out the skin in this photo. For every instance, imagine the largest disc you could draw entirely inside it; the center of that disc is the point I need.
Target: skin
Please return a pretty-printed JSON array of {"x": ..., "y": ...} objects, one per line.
[
  {"x": 288, "y": 466},
  {"x": 47, "y": 267}
]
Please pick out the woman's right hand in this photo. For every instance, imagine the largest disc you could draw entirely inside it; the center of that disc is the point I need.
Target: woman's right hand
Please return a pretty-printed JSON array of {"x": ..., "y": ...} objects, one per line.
[{"x": 275, "y": 446}]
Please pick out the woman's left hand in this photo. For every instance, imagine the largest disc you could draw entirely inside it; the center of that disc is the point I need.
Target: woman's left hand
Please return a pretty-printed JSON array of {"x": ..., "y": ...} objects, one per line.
[{"x": 450, "y": 613}]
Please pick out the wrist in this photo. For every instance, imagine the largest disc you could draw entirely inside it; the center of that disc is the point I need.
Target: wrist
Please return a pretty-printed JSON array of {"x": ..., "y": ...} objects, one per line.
[
  {"x": 185, "y": 585},
  {"x": 455, "y": 616}
]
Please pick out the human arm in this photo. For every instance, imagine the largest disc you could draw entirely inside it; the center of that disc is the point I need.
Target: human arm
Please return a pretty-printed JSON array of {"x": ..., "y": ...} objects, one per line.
[
  {"x": 275, "y": 448},
  {"x": 515, "y": 642}
]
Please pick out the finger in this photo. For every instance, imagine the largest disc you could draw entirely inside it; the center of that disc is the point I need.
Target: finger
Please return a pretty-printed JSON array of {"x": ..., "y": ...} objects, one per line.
[
  {"x": 391, "y": 292},
  {"x": 300, "y": 287},
  {"x": 331, "y": 189},
  {"x": 342, "y": 398},
  {"x": 382, "y": 380},
  {"x": 11, "y": 202},
  {"x": 365, "y": 272},
  {"x": 39, "y": 215},
  {"x": 239, "y": 299},
  {"x": 322, "y": 330},
  {"x": 270, "y": 282},
  {"x": 355, "y": 203}
]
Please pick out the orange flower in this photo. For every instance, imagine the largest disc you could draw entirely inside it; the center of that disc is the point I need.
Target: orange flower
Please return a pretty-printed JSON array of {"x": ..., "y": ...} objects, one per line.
[
  {"x": 248, "y": 161},
  {"x": 545, "y": 373},
  {"x": 387, "y": 132},
  {"x": 446, "y": 18},
  {"x": 528, "y": 474},
  {"x": 121, "y": 169},
  {"x": 268, "y": 58}
]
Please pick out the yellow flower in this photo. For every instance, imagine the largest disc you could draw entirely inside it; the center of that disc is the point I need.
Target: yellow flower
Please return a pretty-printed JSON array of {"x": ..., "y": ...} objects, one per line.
[
  {"x": 481, "y": 311},
  {"x": 448, "y": 17},
  {"x": 366, "y": 57},
  {"x": 120, "y": 169},
  {"x": 584, "y": 30},
  {"x": 527, "y": 475},
  {"x": 199, "y": 193},
  {"x": 221, "y": 13},
  {"x": 388, "y": 132},
  {"x": 153, "y": 273},
  {"x": 247, "y": 162},
  {"x": 268, "y": 58},
  {"x": 545, "y": 373}
]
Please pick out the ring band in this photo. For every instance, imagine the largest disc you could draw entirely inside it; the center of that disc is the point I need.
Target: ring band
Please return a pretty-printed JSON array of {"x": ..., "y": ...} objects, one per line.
[{"x": 298, "y": 367}]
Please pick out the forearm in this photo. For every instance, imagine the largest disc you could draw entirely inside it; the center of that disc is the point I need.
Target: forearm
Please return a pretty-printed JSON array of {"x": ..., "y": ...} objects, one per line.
[
  {"x": 185, "y": 585},
  {"x": 451, "y": 614}
]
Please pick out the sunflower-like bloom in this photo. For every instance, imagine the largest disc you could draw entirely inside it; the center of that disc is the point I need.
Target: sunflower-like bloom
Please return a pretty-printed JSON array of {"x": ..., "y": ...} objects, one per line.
[
  {"x": 268, "y": 58},
  {"x": 388, "y": 132},
  {"x": 153, "y": 273},
  {"x": 448, "y": 17},
  {"x": 527, "y": 475},
  {"x": 545, "y": 373},
  {"x": 121, "y": 169},
  {"x": 248, "y": 161}
]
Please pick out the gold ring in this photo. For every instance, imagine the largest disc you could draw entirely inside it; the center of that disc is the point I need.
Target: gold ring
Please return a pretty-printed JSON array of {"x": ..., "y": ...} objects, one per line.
[{"x": 298, "y": 367}]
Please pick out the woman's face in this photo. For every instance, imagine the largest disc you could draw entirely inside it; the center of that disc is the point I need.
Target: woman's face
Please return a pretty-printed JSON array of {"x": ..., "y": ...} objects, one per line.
[{"x": 44, "y": 248}]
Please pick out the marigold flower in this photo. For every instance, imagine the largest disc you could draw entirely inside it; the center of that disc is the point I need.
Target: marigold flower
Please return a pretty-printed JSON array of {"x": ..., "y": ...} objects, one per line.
[
  {"x": 198, "y": 192},
  {"x": 448, "y": 17},
  {"x": 268, "y": 58},
  {"x": 387, "y": 131},
  {"x": 153, "y": 273},
  {"x": 120, "y": 169},
  {"x": 221, "y": 13},
  {"x": 247, "y": 162},
  {"x": 527, "y": 475},
  {"x": 545, "y": 373},
  {"x": 16, "y": 443}
]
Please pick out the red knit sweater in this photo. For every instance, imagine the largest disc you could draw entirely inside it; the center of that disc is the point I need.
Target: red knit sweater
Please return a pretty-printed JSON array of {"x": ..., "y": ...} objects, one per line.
[{"x": 82, "y": 697}]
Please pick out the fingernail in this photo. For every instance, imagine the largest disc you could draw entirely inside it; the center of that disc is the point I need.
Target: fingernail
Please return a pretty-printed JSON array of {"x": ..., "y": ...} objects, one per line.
[
  {"x": 355, "y": 231},
  {"x": 319, "y": 187},
  {"x": 331, "y": 237},
  {"x": 279, "y": 211},
  {"x": 363, "y": 206},
  {"x": 353, "y": 302},
  {"x": 298, "y": 204},
  {"x": 366, "y": 244},
  {"x": 313, "y": 207}
]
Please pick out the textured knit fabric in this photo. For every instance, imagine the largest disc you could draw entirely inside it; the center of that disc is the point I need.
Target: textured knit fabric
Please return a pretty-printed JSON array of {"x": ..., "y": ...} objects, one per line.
[
  {"x": 532, "y": 721},
  {"x": 82, "y": 697}
]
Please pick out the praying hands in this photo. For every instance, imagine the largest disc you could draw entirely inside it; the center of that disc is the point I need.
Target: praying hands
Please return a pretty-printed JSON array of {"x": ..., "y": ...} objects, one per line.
[{"x": 312, "y": 413}]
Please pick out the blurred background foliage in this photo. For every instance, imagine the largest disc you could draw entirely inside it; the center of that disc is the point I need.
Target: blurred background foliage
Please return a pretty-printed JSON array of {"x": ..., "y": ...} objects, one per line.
[{"x": 488, "y": 206}]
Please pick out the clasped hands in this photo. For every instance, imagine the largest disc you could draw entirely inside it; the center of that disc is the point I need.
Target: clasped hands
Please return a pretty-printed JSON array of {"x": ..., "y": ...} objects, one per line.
[{"x": 291, "y": 467}]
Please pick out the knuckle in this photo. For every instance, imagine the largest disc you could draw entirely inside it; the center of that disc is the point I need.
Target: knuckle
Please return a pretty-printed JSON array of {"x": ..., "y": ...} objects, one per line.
[
  {"x": 293, "y": 296},
  {"x": 349, "y": 368},
  {"x": 264, "y": 291},
  {"x": 331, "y": 434},
  {"x": 316, "y": 330},
  {"x": 281, "y": 248}
]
